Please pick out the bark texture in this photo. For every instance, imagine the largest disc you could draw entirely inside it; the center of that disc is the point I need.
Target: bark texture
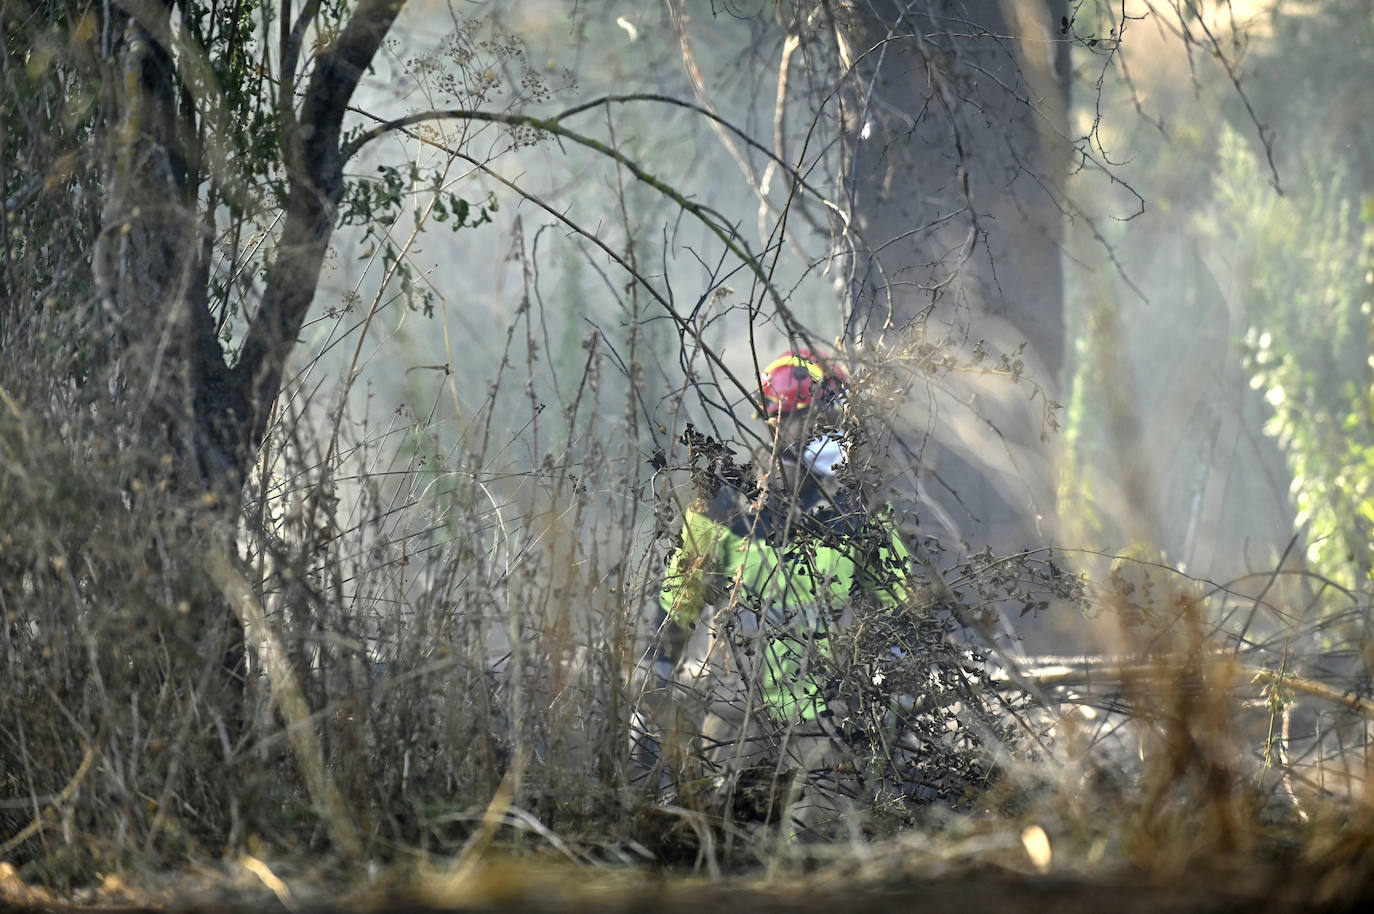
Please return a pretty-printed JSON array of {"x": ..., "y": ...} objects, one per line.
[
  {"x": 151, "y": 258},
  {"x": 957, "y": 152}
]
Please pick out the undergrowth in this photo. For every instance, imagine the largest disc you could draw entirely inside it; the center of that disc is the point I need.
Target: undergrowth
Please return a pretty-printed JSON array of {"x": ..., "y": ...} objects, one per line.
[{"x": 410, "y": 646}]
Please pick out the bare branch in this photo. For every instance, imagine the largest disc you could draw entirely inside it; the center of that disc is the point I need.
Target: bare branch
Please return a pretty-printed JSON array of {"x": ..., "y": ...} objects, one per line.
[{"x": 727, "y": 235}]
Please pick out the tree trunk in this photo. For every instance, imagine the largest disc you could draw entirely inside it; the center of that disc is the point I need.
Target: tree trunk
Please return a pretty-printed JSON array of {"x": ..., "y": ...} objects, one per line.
[
  {"x": 958, "y": 149},
  {"x": 151, "y": 258},
  {"x": 165, "y": 388},
  {"x": 147, "y": 263}
]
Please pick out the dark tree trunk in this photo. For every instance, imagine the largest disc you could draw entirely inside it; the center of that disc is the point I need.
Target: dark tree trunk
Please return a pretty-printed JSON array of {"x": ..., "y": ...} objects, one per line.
[
  {"x": 164, "y": 387},
  {"x": 148, "y": 272},
  {"x": 151, "y": 268},
  {"x": 958, "y": 150}
]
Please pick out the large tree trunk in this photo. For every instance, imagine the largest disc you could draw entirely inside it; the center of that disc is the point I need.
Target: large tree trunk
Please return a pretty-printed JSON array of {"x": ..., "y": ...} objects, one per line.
[
  {"x": 164, "y": 387},
  {"x": 958, "y": 149},
  {"x": 151, "y": 259},
  {"x": 126, "y": 433},
  {"x": 148, "y": 262}
]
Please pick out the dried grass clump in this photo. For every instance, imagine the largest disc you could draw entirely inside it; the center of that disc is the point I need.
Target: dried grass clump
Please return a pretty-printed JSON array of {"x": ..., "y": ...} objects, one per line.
[
  {"x": 122, "y": 718},
  {"x": 415, "y": 649}
]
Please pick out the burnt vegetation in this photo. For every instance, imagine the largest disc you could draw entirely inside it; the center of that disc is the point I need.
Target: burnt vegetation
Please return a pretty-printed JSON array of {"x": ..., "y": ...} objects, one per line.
[{"x": 318, "y": 554}]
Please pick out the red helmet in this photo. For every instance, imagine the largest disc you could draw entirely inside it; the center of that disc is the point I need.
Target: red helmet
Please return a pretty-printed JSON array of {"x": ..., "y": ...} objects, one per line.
[{"x": 797, "y": 379}]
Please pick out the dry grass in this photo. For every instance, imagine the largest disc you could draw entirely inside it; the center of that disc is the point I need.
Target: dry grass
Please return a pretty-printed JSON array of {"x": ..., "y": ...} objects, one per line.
[{"x": 441, "y": 676}]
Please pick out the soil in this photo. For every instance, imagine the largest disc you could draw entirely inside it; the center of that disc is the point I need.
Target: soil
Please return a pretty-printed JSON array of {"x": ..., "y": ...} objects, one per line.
[{"x": 998, "y": 892}]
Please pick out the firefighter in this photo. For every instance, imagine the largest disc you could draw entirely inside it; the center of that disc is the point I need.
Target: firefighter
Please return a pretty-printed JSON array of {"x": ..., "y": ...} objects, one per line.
[{"x": 766, "y": 577}]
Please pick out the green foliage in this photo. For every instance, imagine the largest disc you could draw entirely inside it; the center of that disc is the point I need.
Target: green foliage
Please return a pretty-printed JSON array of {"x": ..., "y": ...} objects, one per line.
[
  {"x": 376, "y": 204},
  {"x": 1308, "y": 344},
  {"x": 1307, "y": 256}
]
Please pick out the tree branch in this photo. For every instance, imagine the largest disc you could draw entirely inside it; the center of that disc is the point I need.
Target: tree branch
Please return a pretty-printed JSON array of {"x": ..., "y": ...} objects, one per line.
[
  {"x": 727, "y": 235},
  {"x": 683, "y": 323},
  {"x": 290, "y": 55},
  {"x": 336, "y": 76},
  {"x": 315, "y": 183}
]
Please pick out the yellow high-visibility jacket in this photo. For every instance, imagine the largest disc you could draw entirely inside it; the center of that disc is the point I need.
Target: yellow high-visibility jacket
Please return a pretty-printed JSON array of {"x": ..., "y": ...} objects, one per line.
[{"x": 797, "y": 576}]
